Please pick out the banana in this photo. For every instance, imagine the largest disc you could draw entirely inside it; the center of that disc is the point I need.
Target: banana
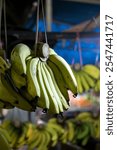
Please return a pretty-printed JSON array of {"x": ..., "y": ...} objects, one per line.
[
  {"x": 83, "y": 131},
  {"x": 4, "y": 145},
  {"x": 18, "y": 80},
  {"x": 43, "y": 141},
  {"x": 53, "y": 134},
  {"x": 66, "y": 71},
  {"x": 56, "y": 127},
  {"x": 14, "y": 137},
  {"x": 43, "y": 101},
  {"x": 92, "y": 70},
  {"x": 64, "y": 137},
  {"x": 85, "y": 140},
  {"x": 79, "y": 84},
  {"x": 97, "y": 86},
  {"x": 23, "y": 138},
  {"x": 8, "y": 94},
  {"x": 84, "y": 116},
  {"x": 90, "y": 81},
  {"x": 33, "y": 87},
  {"x": 59, "y": 79},
  {"x": 6, "y": 105},
  {"x": 49, "y": 86},
  {"x": 85, "y": 85},
  {"x": 1, "y": 104},
  {"x": 61, "y": 99},
  {"x": 18, "y": 58},
  {"x": 5, "y": 134},
  {"x": 71, "y": 130},
  {"x": 52, "y": 52},
  {"x": 3, "y": 65},
  {"x": 35, "y": 142}
]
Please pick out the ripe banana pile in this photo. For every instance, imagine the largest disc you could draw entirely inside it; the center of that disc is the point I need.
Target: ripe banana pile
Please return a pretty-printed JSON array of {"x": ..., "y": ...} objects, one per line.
[
  {"x": 80, "y": 129},
  {"x": 41, "y": 136},
  {"x": 45, "y": 135},
  {"x": 30, "y": 81},
  {"x": 87, "y": 78}
]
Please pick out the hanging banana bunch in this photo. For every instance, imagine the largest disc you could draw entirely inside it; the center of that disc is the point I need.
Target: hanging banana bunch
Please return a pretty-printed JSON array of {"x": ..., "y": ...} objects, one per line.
[
  {"x": 87, "y": 77},
  {"x": 40, "y": 80}
]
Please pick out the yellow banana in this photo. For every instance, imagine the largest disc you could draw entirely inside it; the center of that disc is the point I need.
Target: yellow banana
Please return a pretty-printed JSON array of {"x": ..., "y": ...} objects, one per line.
[{"x": 92, "y": 70}]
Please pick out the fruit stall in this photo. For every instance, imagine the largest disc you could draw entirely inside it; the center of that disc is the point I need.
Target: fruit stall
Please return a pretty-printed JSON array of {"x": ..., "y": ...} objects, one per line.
[{"x": 50, "y": 75}]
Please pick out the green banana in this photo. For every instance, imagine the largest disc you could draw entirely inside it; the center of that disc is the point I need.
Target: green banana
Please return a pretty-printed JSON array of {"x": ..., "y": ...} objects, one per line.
[
  {"x": 85, "y": 85},
  {"x": 92, "y": 70},
  {"x": 43, "y": 101},
  {"x": 79, "y": 84},
  {"x": 83, "y": 131},
  {"x": 97, "y": 86},
  {"x": 18, "y": 58},
  {"x": 64, "y": 137},
  {"x": 49, "y": 86},
  {"x": 90, "y": 81},
  {"x": 71, "y": 129},
  {"x": 18, "y": 80},
  {"x": 85, "y": 140},
  {"x": 66, "y": 71},
  {"x": 59, "y": 79},
  {"x": 43, "y": 141},
  {"x": 6, "y": 105},
  {"x": 35, "y": 143},
  {"x": 84, "y": 116},
  {"x": 33, "y": 87},
  {"x": 61, "y": 99},
  {"x": 4, "y": 145},
  {"x": 52, "y": 52},
  {"x": 3, "y": 65},
  {"x": 5, "y": 134},
  {"x": 9, "y": 95}
]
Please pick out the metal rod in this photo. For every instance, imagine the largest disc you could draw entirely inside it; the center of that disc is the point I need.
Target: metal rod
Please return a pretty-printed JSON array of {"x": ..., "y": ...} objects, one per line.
[{"x": 49, "y": 14}]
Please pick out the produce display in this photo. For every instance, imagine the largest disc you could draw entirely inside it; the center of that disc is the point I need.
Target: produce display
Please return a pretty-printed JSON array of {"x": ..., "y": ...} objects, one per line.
[
  {"x": 88, "y": 77},
  {"x": 45, "y": 135},
  {"x": 30, "y": 80}
]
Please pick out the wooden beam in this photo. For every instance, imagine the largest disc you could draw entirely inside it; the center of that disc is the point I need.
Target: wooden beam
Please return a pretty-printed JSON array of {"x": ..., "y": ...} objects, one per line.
[{"x": 86, "y": 25}]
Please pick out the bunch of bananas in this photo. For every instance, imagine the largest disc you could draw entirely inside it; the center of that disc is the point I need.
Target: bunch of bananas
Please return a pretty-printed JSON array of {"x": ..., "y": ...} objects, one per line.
[
  {"x": 45, "y": 135},
  {"x": 5, "y": 140},
  {"x": 80, "y": 129},
  {"x": 36, "y": 81},
  {"x": 87, "y": 77},
  {"x": 41, "y": 136}
]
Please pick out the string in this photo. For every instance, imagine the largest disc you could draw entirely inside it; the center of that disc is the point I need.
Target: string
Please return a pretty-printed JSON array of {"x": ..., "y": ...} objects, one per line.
[
  {"x": 37, "y": 26},
  {"x": 0, "y": 23},
  {"x": 44, "y": 21},
  {"x": 5, "y": 30}
]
